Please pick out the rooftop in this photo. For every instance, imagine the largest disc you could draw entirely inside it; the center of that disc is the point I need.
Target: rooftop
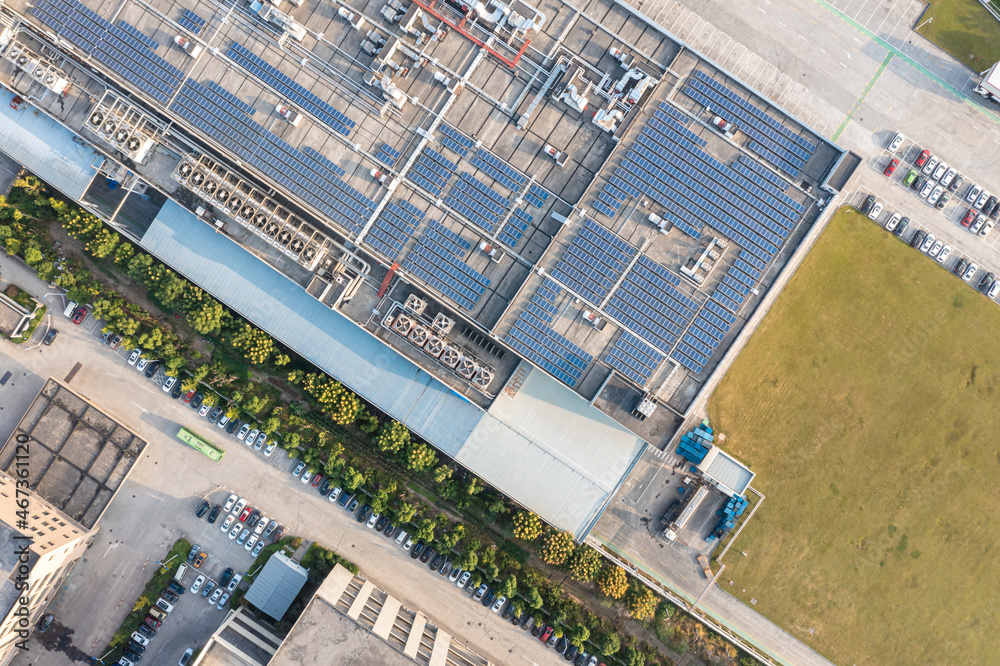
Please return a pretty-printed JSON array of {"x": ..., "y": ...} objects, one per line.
[
  {"x": 275, "y": 587},
  {"x": 12, "y": 316},
  {"x": 78, "y": 455}
]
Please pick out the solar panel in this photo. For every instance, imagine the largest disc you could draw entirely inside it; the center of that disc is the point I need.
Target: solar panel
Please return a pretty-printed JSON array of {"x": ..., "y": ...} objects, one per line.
[
  {"x": 436, "y": 259},
  {"x": 231, "y": 98},
  {"x": 387, "y": 154},
  {"x": 499, "y": 170},
  {"x": 148, "y": 41},
  {"x": 394, "y": 227},
  {"x": 533, "y": 338},
  {"x": 189, "y": 25},
  {"x": 285, "y": 86},
  {"x": 194, "y": 18},
  {"x": 594, "y": 261},
  {"x": 633, "y": 358},
  {"x": 459, "y": 142}
]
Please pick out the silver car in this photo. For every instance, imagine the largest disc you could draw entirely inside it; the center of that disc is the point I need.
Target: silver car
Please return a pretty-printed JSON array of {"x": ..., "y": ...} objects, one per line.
[
  {"x": 935, "y": 195},
  {"x": 944, "y": 254},
  {"x": 928, "y": 188},
  {"x": 243, "y": 537},
  {"x": 928, "y": 243},
  {"x": 981, "y": 201},
  {"x": 948, "y": 177},
  {"x": 970, "y": 272},
  {"x": 929, "y": 167},
  {"x": 987, "y": 228},
  {"x": 973, "y": 193},
  {"x": 933, "y": 252},
  {"x": 940, "y": 171}
]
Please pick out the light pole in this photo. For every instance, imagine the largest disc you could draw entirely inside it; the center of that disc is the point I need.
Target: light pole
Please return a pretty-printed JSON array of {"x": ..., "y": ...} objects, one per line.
[{"x": 923, "y": 24}]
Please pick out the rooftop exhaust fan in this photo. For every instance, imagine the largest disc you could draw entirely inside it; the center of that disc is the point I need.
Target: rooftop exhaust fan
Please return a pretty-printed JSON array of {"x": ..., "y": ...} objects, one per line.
[
  {"x": 184, "y": 170},
  {"x": 450, "y": 356},
  {"x": 419, "y": 335},
  {"x": 109, "y": 126},
  {"x": 434, "y": 346},
  {"x": 415, "y": 304},
  {"x": 198, "y": 178},
  {"x": 403, "y": 324},
  {"x": 121, "y": 136},
  {"x": 246, "y": 212},
  {"x": 235, "y": 203},
  {"x": 297, "y": 245},
  {"x": 482, "y": 378},
  {"x": 222, "y": 196},
  {"x": 271, "y": 228},
  {"x": 284, "y": 236},
  {"x": 309, "y": 253},
  {"x": 96, "y": 118},
  {"x": 259, "y": 219},
  {"x": 211, "y": 186},
  {"x": 466, "y": 367},
  {"x": 133, "y": 144}
]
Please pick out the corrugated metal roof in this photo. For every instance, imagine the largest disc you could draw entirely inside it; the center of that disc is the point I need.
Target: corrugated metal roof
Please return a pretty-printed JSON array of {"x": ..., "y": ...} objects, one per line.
[
  {"x": 46, "y": 148},
  {"x": 275, "y": 587},
  {"x": 546, "y": 448},
  {"x": 729, "y": 473}
]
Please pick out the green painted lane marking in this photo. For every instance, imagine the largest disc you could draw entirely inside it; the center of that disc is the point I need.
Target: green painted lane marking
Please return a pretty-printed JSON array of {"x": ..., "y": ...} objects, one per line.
[
  {"x": 908, "y": 60},
  {"x": 864, "y": 93}
]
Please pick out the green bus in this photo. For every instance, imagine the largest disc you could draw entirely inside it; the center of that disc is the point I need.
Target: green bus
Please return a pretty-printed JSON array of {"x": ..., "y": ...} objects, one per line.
[{"x": 199, "y": 444}]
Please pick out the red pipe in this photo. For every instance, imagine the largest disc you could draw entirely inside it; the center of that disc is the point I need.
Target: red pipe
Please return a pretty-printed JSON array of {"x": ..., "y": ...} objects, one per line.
[{"x": 429, "y": 8}]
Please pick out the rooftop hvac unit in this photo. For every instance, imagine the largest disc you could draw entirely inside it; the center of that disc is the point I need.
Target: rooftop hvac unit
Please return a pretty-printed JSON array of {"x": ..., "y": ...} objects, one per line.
[
  {"x": 271, "y": 229},
  {"x": 415, "y": 304},
  {"x": 450, "y": 356},
  {"x": 591, "y": 318},
  {"x": 246, "y": 212},
  {"x": 284, "y": 237},
  {"x": 713, "y": 255},
  {"x": 434, "y": 346},
  {"x": 419, "y": 335},
  {"x": 261, "y": 217},
  {"x": 442, "y": 323},
  {"x": 297, "y": 245},
  {"x": 222, "y": 194},
  {"x": 483, "y": 377},
  {"x": 309, "y": 254},
  {"x": 466, "y": 367},
  {"x": 96, "y": 118},
  {"x": 403, "y": 325},
  {"x": 210, "y": 186},
  {"x": 197, "y": 178},
  {"x": 183, "y": 171}
]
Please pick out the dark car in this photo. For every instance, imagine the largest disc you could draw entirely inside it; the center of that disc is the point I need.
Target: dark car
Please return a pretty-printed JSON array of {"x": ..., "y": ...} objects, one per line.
[
  {"x": 152, "y": 622},
  {"x": 866, "y": 207},
  {"x": 436, "y": 562},
  {"x": 416, "y": 550},
  {"x": 571, "y": 652},
  {"x": 956, "y": 183},
  {"x": 991, "y": 203},
  {"x": 507, "y": 612},
  {"x": 233, "y": 425},
  {"x": 942, "y": 202},
  {"x": 515, "y": 618},
  {"x": 381, "y": 523},
  {"x": 364, "y": 513},
  {"x": 489, "y": 598},
  {"x": 133, "y": 646},
  {"x": 918, "y": 184},
  {"x": 561, "y": 645},
  {"x": 278, "y": 533},
  {"x": 176, "y": 587},
  {"x": 212, "y": 517},
  {"x": 197, "y": 400},
  {"x": 389, "y": 531},
  {"x": 536, "y": 629},
  {"x": 344, "y": 499},
  {"x": 528, "y": 621},
  {"x": 214, "y": 415},
  {"x": 226, "y": 575},
  {"x": 581, "y": 659},
  {"x": 986, "y": 282},
  {"x": 902, "y": 226},
  {"x": 960, "y": 266},
  {"x": 50, "y": 337},
  {"x": 352, "y": 506},
  {"x": 203, "y": 509},
  {"x": 445, "y": 567},
  {"x": 46, "y": 622},
  {"x": 253, "y": 519},
  {"x": 918, "y": 238},
  {"x": 325, "y": 487},
  {"x": 176, "y": 391},
  {"x": 427, "y": 554},
  {"x": 151, "y": 368},
  {"x": 132, "y": 656},
  {"x": 169, "y": 596}
]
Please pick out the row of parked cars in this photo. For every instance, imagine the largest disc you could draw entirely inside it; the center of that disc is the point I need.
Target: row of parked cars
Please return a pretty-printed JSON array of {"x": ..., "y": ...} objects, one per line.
[
  {"x": 139, "y": 640},
  {"x": 245, "y": 524}
]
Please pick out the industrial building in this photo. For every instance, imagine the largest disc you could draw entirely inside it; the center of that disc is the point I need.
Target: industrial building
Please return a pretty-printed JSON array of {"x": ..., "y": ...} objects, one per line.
[{"x": 529, "y": 232}]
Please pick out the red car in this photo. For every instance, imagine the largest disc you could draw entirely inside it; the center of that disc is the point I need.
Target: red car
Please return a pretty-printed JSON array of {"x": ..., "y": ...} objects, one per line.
[
  {"x": 922, "y": 159},
  {"x": 246, "y": 512},
  {"x": 79, "y": 315},
  {"x": 188, "y": 396},
  {"x": 889, "y": 170},
  {"x": 546, "y": 634},
  {"x": 969, "y": 218},
  {"x": 152, "y": 622},
  {"x": 316, "y": 480}
]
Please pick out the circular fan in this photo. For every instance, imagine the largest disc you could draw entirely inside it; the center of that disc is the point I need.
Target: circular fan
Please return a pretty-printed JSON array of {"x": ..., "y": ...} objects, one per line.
[
  {"x": 450, "y": 357},
  {"x": 309, "y": 253},
  {"x": 403, "y": 324},
  {"x": 121, "y": 135},
  {"x": 96, "y": 118},
  {"x": 259, "y": 219},
  {"x": 235, "y": 203},
  {"x": 434, "y": 346},
  {"x": 284, "y": 236},
  {"x": 198, "y": 178},
  {"x": 38, "y": 73},
  {"x": 13, "y": 51},
  {"x": 184, "y": 170},
  {"x": 133, "y": 144},
  {"x": 109, "y": 126},
  {"x": 482, "y": 378},
  {"x": 49, "y": 80},
  {"x": 211, "y": 186},
  {"x": 297, "y": 245},
  {"x": 419, "y": 335},
  {"x": 271, "y": 228},
  {"x": 22, "y": 60},
  {"x": 246, "y": 212},
  {"x": 223, "y": 194},
  {"x": 466, "y": 367}
]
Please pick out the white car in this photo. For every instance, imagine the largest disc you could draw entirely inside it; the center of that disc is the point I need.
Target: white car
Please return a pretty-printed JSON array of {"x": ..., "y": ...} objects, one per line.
[
  {"x": 970, "y": 272},
  {"x": 261, "y": 438},
  {"x": 928, "y": 243},
  {"x": 307, "y": 475},
  {"x": 165, "y": 605},
  {"x": 987, "y": 228},
  {"x": 233, "y": 582},
  {"x": 371, "y": 521},
  {"x": 214, "y": 599},
  {"x": 973, "y": 193},
  {"x": 933, "y": 252},
  {"x": 230, "y": 503},
  {"x": 929, "y": 167},
  {"x": 169, "y": 384},
  {"x": 198, "y": 582},
  {"x": 948, "y": 177},
  {"x": 269, "y": 449},
  {"x": 927, "y": 189},
  {"x": 252, "y": 435},
  {"x": 261, "y": 524},
  {"x": 978, "y": 224},
  {"x": 498, "y": 604},
  {"x": 935, "y": 195},
  {"x": 896, "y": 142},
  {"x": 224, "y": 421},
  {"x": 140, "y": 639},
  {"x": 981, "y": 201},
  {"x": 893, "y": 221},
  {"x": 251, "y": 542},
  {"x": 227, "y": 523},
  {"x": 240, "y": 505},
  {"x": 940, "y": 171},
  {"x": 256, "y": 549},
  {"x": 204, "y": 409},
  {"x": 242, "y": 434},
  {"x": 401, "y": 537},
  {"x": 463, "y": 580},
  {"x": 223, "y": 601},
  {"x": 944, "y": 254},
  {"x": 875, "y": 211},
  {"x": 137, "y": 353},
  {"x": 141, "y": 365},
  {"x": 335, "y": 495},
  {"x": 408, "y": 545},
  {"x": 994, "y": 290},
  {"x": 237, "y": 528}
]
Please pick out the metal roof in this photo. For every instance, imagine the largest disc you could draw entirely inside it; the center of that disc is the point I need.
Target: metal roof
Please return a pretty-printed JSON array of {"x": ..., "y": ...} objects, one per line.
[
  {"x": 275, "y": 587},
  {"x": 546, "y": 448},
  {"x": 46, "y": 148},
  {"x": 731, "y": 475}
]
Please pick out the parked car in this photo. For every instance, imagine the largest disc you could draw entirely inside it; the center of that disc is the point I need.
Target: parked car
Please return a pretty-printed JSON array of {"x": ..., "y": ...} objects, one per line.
[
  {"x": 480, "y": 592},
  {"x": 79, "y": 315},
  {"x": 969, "y": 217},
  {"x": 867, "y": 204},
  {"x": 256, "y": 549},
  {"x": 176, "y": 587},
  {"x": 417, "y": 550},
  {"x": 193, "y": 553},
  {"x": 134, "y": 356},
  {"x": 896, "y": 142},
  {"x": 169, "y": 596},
  {"x": 214, "y": 599},
  {"x": 935, "y": 249},
  {"x": 428, "y": 554},
  {"x": 227, "y": 523},
  {"x": 231, "y": 502},
  {"x": 186, "y": 657},
  {"x": 948, "y": 177},
  {"x": 978, "y": 224},
  {"x": 212, "y": 517},
  {"x": 269, "y": 529},
  {"x": 935, "y": 195},
  {"x": 956, "y": 183},
  {"x": 151, "y": 369},
  {"x": 223, "y": 601},
  {"x": 253, "y": 518},
  {"x": 168, "y": 384},
  {"x": 164, "y": 605},
  {"x": 987, "y": 228},
  {"x": 198, "y": 582},
  {"x": 498, "y": 604},
  {"x": 246, "y": 513},
  {"x": 50, "y": 337},
  {"x": 891, "y": 167},
  {"x": 278, "y": 533},
  {"x": 489, "y": 598},
  {"x": 918, "y": 238},
  {"x": 561, "y": 645},
  {"x": 234, "y": 583},
  {"x": 176, "y": 391},
  {"x": 546, "y": 634},
  {"x": 334, "y": 494},
  {"x": 139, "y": 638},
  {"x": 235, "y": 532},
  {"x": 307, "y": 475},
  {"x": 389, "y": 530},
  {"x": 251, "y": 542},
  {"x": 233, "y": 426},
  {"x": 875, "y": 211},
  {"x": 202, "y": 509},
  {"x": 984, "y": 196},
  {"x": 243, "y": 537},
  {"x": 364, "y": 513},
  {"x": 944, "y": 254},
  {"x": 571, "y": 653},
  {"x": 224, "y": 421},
  {"x": 436, "y": 562},
  {"x": 918, "y": 183},
  {"x": 152, "y": 622},
  {"x": 893, "y": 221},
  {"x": 316, "y": 480},
  {"x": 259, "y": 526},
  {"x": 994, "y": 290},
  {"x": 298, "y": 467},
  {"x": 940, "y": 171},
  {"x": 197, "y": 400},
  {"x": 902, "y": 226},
  {"x": 943, "y": 201},
  {"x": 242, "y": 434},
  {"x": 973, "y": 193},
  {"x": 401, "y": 537},
  {"x": 198, "y": 561},
  {"x": 928, "y": 243},
  {"x": 929, "y": 166},
  {"x": 141, "y": 364},
  {"x": 911, "y": 178},
  {"x": 204, "y": 409},
  {"x": 927, "y": 188},
  {"x": 922, "y": 158},
  {"x": 259, "y": 442},
  {"x": 269, "y": 449},
  {"x": 216, "y": 413},
  {"x": 960, "y": 266},
  {"x": 463, "y": 580},
  {"x": 986, "y": 282},
  {"x": 970, "y": 272}
]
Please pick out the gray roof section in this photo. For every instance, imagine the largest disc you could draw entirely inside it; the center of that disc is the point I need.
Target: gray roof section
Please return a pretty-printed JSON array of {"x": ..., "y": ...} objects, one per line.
[
  {"x": 729, "y": 473},
  {"x": 46, "y": 148},
  {"x": 276, "y": 585},
  {"x": 546, "y": 448}
]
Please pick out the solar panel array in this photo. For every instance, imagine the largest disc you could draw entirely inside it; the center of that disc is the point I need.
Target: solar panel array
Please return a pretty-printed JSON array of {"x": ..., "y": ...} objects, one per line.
[
  {"x": 477, "y": 202},
  {"x": 592, "y": 264},
  {"x": 667, "y": 164},
  {"x": 432, "y": 171},
  {"x": 437, "y": 260},
  {"x": 394, "y": 227},
  {"x": 135, "y": 32},
  {"x": 306, "y": 174},
  {"x": 231, "y": 98},
  {"x": 633, "y": 358},
  {"x": 314, "y": 154},
  {"x": 191, "y": 22},
  {"x": 736, "y": 285},
  {"x": 455, "y": 141},
  {"x": 536, "y": 196},
  {"x": 515, "y": 227},
  {"x": 499, "y": 170},
  {"x": 112, "y": 46},
  {"x": 776, "y": 143},
  {"x": 285, "y": 86},
  {"x": 532, "y": 336},
  {"x": 387, "y": 154},
  {"x": 649, "y": 304},
  {"x": 703, "y": 338},
  {"x": 764, "y": 172}
]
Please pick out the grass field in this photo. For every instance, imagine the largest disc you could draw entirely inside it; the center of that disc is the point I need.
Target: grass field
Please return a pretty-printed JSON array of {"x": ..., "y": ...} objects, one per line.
[
  {"x": 965, "y": 29},
  {"x": 867, "y": 403}
]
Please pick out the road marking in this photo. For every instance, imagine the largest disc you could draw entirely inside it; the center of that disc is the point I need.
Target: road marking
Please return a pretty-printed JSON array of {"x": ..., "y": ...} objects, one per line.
[
  {"x": 781, "y": 23},
  {"x": 861, "y": 98}
]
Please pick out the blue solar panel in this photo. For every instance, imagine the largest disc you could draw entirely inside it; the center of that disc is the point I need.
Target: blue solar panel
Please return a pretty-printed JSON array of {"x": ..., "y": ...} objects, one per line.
[
  {"x": 536, "y": 196},
  {"x": 148, "y": 41},
  {"x": 189, "y": 25},
  {"x": 394, "y": 227},
  {"x": 764, "y": 173},
  {"x": 231, "y": 98},
  {"x": 633, "y": 358},
  {"x": 499, "y": 170},
  {"x": 594, "y": 261},
  {"x": 194, "y": 18},
  {"x": 387, "y": 154},
  {"x": 459, "y": 142},
  {"x": 112, "y": 47},
  {"x": 436, "y": 259},
  {"x": 285, "y": 86},
  {"x": 533, "y": 338},
  {"x": 305, "y": 174}
]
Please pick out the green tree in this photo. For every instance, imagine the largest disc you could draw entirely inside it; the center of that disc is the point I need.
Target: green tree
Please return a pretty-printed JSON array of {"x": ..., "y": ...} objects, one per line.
[
  {"x": 207, "y": 317},
  {"x": 467, "y": 561},
  {"x": 640, "y": 601},
  {"x": 578, "y": 635},
  {"x": 533, "y": 597},
  {"x": 368, "y": 422},
  {"x": 32, "y": 255},
  {"x": 508, "y": 588},
  {"x": 610, "y": 644},
  {"x": 210, "y": 398},
  {"x": 527, "y": 525},
  {"x": 337, "y": 402},
  {"x": 13, "y": 246},
  {"x": 612, "y": 581},
  {"x": 420, "y": 457},
  {"x": 584, "y": 563},
  {"x": 405, "y": 512},
  {"x": 425, "y": 531},
  {"x": 103, "y": 243},
  {"x": 442, "y": 473},
  {"x": 448, "y": 540},
  {"x": 281, "y": 360},
  {"x": 123, "y": 254},
  {"x": 255, "y": 345},
  {"x": 271, "y": 425},
  {"x": 352, "y": 479},
  {"x": 557, "y": 547},
  {"x": 633, "y": 657},
  {"x": 492, "y": 571},
  {"x": 139, "y": 266},
  {"x": 380, "y": 502},
  {"x": 392, "y": 437}
]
